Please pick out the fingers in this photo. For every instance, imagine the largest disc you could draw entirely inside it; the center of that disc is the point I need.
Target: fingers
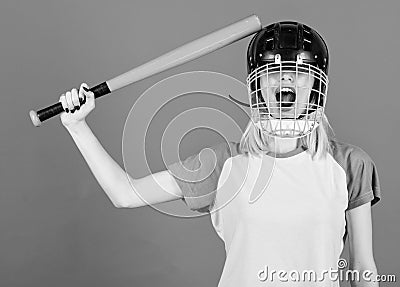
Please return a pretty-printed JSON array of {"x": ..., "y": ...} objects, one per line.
[
  {"x": 70, "y": 103},
  {"x": 72, "y": 100},
  {"x": 75, "y": 99},
  {"x": 64, "y": 103}
]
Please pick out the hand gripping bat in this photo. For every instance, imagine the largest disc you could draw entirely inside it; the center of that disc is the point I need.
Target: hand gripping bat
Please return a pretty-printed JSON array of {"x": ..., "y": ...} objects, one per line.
[{"x": 183, "y": 54}]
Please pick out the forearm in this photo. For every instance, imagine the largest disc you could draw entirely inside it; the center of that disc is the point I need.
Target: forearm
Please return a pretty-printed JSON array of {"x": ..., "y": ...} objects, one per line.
[{"x": 106, "y": 170}]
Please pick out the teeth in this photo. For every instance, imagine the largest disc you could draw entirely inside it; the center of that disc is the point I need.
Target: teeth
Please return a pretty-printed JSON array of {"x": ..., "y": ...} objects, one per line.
[{"x": 287, "y": 90}]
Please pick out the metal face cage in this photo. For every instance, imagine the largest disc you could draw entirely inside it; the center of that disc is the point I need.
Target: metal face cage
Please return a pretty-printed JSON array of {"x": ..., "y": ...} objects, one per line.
[{"x": 287, "y": 98}]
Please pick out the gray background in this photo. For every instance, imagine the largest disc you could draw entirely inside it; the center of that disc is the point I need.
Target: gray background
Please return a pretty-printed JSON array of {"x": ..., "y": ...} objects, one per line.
[{"x": 58, "y": 228}]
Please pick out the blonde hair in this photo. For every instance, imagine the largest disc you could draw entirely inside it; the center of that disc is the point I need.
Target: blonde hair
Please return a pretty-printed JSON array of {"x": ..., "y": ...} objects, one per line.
[{"x": 318, "y": 142}]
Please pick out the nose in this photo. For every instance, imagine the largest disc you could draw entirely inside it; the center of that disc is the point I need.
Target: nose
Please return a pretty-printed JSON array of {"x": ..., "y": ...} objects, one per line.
[{"x": 287, "y": 77}]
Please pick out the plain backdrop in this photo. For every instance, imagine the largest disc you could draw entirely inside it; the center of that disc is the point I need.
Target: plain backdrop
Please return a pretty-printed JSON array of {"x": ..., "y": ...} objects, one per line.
[{"x": 58, "y": 228}]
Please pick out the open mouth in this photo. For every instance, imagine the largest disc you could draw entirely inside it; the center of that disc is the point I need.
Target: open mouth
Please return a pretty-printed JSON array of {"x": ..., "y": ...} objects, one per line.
[{"x": 286, "y": 97}]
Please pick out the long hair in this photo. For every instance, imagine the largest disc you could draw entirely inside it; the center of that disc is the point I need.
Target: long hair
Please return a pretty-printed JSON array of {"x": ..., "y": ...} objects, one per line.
[{"x": 318, "y": 142}]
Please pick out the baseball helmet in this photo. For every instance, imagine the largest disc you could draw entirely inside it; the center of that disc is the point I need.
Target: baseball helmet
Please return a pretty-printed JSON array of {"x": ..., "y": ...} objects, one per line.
[{"x": 287, "y": 64}]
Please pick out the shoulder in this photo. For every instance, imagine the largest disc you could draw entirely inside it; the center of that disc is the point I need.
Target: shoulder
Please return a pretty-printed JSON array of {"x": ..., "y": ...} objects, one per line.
[
  {"x": 222, "y": 151},
  {"x": 205, "y": 164},
  {"x": 229, "y": 149},
  {"x": 361, "y": 173},
  {"x": 346, "y": 154},
  {"x": 198, "y": 174}
]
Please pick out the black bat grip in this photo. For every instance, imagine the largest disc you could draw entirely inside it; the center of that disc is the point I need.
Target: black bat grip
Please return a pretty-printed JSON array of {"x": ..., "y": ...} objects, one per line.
[{"x": 57, "y": 108}]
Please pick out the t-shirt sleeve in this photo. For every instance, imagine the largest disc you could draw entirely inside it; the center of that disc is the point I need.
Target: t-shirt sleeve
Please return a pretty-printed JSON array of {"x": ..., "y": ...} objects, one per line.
[
  {"x": 198, "y": 175},
  {"x": 362, "y": 179}
]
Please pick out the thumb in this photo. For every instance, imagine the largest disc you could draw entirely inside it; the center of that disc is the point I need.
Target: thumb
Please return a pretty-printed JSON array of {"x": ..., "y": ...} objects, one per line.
[{"x": 84, "y": 93}]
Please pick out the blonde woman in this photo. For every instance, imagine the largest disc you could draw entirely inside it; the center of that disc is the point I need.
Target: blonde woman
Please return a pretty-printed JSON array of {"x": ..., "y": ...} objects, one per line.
[{"x": 283, "y": 199}]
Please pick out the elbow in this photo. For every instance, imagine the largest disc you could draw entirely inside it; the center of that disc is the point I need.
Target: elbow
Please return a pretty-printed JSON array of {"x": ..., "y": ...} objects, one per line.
[
  {"x": 367, "y": 272},
  {"x": 126, "y": 204},
  {"x": 118, "y": 199},
  {"x": 118, "y": 202},
  {"x": 363, "y": 263},
  {"x": 371, "y": 267},
  {"x": 122, "y": 204},
  {"x": 118, "y": 205}
]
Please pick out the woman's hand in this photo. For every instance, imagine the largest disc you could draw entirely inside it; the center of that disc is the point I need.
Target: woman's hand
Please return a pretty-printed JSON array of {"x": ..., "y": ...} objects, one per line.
[{"x": 76, "y": 105}]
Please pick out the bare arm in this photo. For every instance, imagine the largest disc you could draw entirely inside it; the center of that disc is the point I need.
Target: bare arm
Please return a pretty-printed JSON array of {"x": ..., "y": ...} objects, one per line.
[
  {"x": 155, "y": 188},
  {"x": 360, "y": 244}
]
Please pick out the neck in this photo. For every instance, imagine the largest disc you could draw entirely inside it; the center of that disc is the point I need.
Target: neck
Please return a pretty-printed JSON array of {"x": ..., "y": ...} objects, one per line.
[{"x": 284, "y": 145}]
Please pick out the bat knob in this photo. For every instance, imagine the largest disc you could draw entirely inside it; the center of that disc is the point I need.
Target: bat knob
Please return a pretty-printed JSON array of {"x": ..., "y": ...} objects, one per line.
[{"x": 35, "y": 119}]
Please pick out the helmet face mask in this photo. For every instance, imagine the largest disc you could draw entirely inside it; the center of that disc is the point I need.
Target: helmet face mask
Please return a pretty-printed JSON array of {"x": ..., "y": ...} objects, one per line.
[{"x": 287, "y": 85}]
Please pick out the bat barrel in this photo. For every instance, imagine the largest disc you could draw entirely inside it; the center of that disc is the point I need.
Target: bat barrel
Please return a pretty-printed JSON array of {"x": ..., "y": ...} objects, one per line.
[
  {"x": 189, "y": 51},
  {"x": 180, "y": 55}
]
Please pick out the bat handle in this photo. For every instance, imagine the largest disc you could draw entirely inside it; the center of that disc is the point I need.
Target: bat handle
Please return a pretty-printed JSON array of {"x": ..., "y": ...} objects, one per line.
[{"x": 57, "y": 108}]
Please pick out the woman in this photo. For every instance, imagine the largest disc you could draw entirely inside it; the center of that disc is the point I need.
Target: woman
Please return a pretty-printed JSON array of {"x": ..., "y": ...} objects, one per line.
[{"x": 283, "y": 199}]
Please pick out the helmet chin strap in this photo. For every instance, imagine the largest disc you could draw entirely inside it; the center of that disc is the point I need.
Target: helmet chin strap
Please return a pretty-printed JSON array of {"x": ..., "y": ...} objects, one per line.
[{"x": 251, "y": 201}]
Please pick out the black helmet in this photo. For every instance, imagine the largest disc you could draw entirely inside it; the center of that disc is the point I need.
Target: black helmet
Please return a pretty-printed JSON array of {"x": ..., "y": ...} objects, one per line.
[
  {"x": 287, "y": 39},
  {"x": 287, "y": 47}
]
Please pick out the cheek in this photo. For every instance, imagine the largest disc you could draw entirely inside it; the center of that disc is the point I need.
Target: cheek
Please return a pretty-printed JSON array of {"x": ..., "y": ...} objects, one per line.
[
  {"x": 266, "y": 87},
  {"x": 273, "y": 79},
  {"x": 303, "y": 95},
  {"x": 270, "y": 83},
  {"x": 305, "y": 85},
  {"x": 305, "y": 81}
]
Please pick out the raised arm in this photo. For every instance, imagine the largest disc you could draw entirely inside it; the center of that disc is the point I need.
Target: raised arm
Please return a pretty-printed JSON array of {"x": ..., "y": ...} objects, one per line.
[{"x": 158, "y": 187}]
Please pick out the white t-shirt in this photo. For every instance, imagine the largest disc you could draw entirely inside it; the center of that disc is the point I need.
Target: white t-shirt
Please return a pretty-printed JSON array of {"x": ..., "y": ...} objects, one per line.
[{"x": 294, "y": 233}]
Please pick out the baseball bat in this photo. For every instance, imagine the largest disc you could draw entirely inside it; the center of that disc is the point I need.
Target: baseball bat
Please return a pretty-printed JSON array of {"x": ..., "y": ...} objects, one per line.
[{"x": 183, "y": 54}]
